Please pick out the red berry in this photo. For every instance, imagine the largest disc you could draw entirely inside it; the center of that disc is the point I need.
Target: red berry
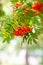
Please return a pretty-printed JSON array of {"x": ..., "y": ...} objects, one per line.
[{"x": 17, "y": 5}]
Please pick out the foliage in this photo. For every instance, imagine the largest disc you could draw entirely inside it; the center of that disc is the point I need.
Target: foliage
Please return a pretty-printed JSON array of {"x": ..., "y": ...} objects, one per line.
[
  {"x": 1, "y": 11},
  {"x": 24, "y": 15}
]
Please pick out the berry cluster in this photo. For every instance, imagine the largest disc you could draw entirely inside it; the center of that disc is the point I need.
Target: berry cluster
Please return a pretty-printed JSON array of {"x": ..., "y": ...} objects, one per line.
[
  {"x": 38, "y": 7},
  {"x": 20, "y": 31}
]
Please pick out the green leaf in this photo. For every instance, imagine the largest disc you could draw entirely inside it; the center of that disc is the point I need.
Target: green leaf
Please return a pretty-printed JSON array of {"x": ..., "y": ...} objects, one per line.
[
  {"x": 14, "y": 1},
  {"x": 4, "y": 40},
  {"x": 31, "y": 23},
  {"x": 22, "y": 1},
  {"x": 41, "y": 15},
  {"x": 34, "y": 40},
  {"x": 29, "y": 40},
  {"x": 41, "y": 0}
]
